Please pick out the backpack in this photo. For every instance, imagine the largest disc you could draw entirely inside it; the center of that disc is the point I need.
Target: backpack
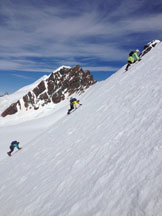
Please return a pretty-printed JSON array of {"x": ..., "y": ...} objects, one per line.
[
  {"x": 131, "y": 53},
  {"x": 73, "y": 99}
]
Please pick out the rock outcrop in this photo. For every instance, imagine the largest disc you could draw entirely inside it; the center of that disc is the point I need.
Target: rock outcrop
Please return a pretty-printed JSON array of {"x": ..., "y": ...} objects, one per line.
[{"x": 149, "y": 46}]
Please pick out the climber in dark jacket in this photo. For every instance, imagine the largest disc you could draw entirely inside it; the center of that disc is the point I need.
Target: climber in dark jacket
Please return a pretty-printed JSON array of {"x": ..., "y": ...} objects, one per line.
[{"x": 12, "y": 146}]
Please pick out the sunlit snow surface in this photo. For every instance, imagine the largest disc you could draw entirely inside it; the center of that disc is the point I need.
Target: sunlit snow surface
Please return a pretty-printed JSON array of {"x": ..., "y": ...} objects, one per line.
[{"x": 105, "y": 159}]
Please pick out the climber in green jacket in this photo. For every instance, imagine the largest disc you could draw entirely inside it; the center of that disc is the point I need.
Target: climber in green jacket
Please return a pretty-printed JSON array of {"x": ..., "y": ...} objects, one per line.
[{"x": 133, "y": 57}]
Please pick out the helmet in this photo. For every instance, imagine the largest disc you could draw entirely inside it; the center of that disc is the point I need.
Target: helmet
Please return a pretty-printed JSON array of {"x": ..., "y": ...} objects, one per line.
[{"x": 137, "y": 50}]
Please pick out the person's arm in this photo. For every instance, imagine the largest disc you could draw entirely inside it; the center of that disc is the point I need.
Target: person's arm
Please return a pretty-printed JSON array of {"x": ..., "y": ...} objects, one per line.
[
  {"x": 17, "y": 146},
  {"x": 136, "y": 56}
]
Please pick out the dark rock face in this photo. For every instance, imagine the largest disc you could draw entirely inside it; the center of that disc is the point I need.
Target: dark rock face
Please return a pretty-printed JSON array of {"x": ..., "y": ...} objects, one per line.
[
  {"x": 149, "y": 46},
  {"x": 11, "y": 109},
  {"x": 53, "y": 89},
  {"x": 39, "y": 89}
]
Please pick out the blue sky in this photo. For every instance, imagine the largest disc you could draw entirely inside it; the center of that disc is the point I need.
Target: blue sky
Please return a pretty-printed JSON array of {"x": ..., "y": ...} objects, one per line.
[{"x": 37, "y": 36}]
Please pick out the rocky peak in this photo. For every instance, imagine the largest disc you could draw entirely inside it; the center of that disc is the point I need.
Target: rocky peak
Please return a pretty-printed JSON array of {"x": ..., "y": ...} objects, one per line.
[
  {"x": 149, "y": 46},
  {"x": 64, "y": 81}
]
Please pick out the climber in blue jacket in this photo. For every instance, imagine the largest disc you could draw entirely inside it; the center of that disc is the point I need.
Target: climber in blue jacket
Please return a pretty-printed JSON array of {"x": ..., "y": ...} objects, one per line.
[{"x": 12, "y": 146}]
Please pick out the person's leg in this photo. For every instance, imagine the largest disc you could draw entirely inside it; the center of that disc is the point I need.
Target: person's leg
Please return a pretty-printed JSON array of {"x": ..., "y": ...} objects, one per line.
[
  {"x": 129, "y": 63},
  {"x": 11, "y": 150},
  {"x": 71, "y": 108}
]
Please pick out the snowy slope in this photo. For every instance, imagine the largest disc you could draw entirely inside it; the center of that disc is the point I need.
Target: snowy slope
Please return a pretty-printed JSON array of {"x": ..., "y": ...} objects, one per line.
[{"x": 103, "y": 159}]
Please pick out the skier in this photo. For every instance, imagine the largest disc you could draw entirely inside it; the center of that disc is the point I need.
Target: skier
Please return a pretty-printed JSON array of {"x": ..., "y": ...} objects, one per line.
[
  {"x": 73, "y": 104},
  {"x": 12, "y": 146},
  {"x": 133, "y": 57}
]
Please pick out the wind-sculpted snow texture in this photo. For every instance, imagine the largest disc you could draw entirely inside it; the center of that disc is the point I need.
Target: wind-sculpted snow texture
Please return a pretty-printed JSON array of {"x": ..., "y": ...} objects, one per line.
[
  {"x": 104, "y": 159},
  {"x": 55, "y": 88}
]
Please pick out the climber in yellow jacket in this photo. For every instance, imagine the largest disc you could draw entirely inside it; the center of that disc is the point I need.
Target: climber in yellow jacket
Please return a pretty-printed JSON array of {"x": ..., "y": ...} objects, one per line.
[{"x": 73, "y": 104}]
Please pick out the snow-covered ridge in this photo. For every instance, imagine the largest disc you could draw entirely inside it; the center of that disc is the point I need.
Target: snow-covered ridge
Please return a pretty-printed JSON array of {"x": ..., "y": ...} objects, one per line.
[
  {"x": 62, "y": 67},
  {"x": 30, "y": 87},
  {"x": 154, "y": 42}
]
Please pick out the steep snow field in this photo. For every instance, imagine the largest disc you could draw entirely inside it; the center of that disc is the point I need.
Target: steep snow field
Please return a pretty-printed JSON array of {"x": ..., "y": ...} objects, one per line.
[{"x": 103, "y": 159}]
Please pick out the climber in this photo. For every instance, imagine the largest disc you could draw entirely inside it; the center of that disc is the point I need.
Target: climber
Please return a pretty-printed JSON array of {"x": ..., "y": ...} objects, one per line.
[
  {"x": 12, "y": 146},
  {"x": 73, "y": 104},
  {"x": 133, "y": 57}
]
